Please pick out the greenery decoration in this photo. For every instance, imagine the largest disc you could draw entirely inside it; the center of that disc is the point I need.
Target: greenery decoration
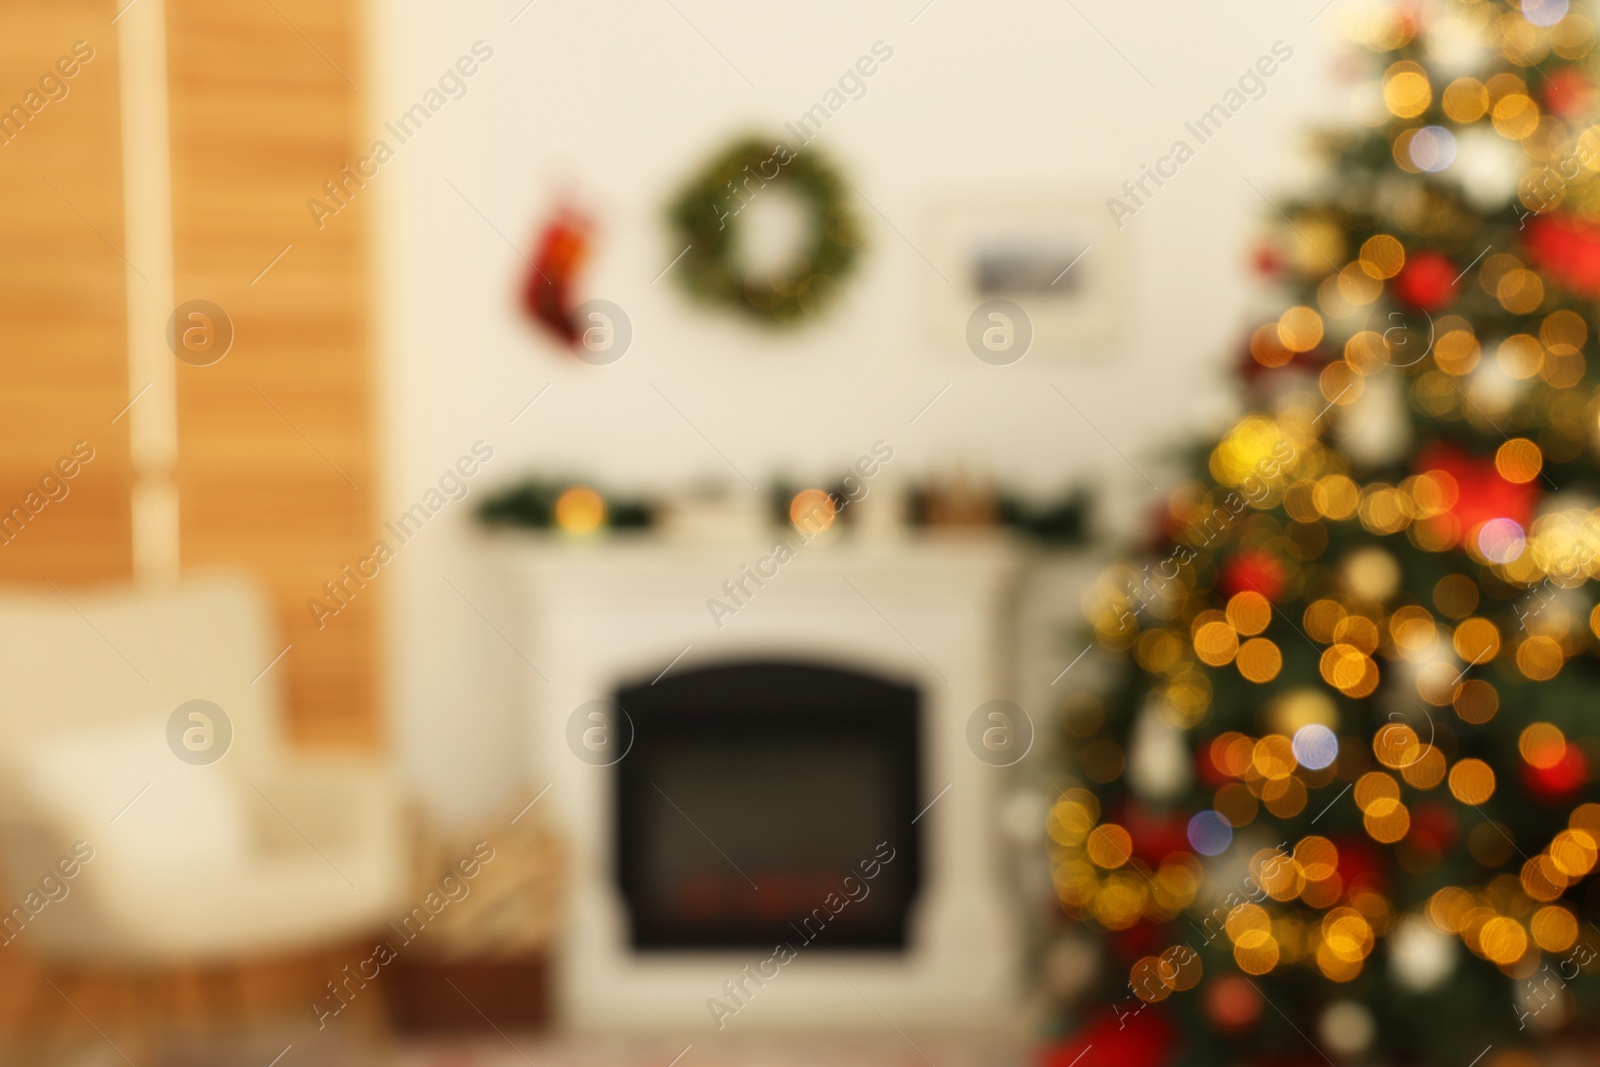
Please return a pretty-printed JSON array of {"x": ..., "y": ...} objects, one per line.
[
  {"x": 531, "y": 504},
  {"x": 705, "y": 218}
]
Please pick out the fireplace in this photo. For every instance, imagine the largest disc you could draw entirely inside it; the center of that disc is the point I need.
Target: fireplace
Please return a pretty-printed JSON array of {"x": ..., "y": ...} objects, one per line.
[
  {"x": 755, "y": 801},
  {"x": 825, "y": 724}
]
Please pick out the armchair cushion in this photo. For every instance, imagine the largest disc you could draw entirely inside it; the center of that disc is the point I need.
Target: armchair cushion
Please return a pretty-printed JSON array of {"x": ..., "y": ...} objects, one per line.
[{"x": 138, "y": 806}]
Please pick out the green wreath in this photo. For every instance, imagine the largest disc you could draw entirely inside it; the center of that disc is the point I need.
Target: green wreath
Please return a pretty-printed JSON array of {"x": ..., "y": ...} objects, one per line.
[{"x": 705, "y": 216}]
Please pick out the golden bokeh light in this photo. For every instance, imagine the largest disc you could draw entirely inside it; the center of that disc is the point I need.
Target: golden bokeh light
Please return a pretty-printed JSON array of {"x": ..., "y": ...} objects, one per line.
[
  {"x": 1341, "y": 383},
  {"x": 1300, "y": 329},
  {"x": 1181, "y": 967},
  {"x": 1337, "y": 497},
  {"x": 1356, "y": 286},
  {"x": 1266, "y": 349},
  {"x": 1542, "y": 880},
  {"x": 1256, "y": 952},
  {"x": 1520, "y": 291},
  {"x": 1382, "y": 256},
  {"x": 1246, "y": 918},
  {"x": 1396, "y": 745},
  {"x": 1477, "y": 640},
  {"x": 1279, "y": 874},
  {"x": 1359, "y": 632},
  {"x": 1563, "y": 367},
  {"x": 1457, "y": 352},
  {"x": 1476, "y": 701},
  {"x": 1147, "y": 982},
  {"x": 1073, "y": 816},
  {"x": 1349, "y": 670},
  {"x": 1158, "y": 650},
  {"x": 1572, "y": 37},
  {"x": 1215, "y": 644},
  {"x": 1406, "y": 92},
  {"x": 1377, "y": 793},
  {"x": 1414, "y": 632},
  {"x": 1109, "y": 846},
  {"x": 1249, "y": 612},
  {"x": 1465, "y": 100},
  {"x": 1427, "y": 771},
  {"x": 1448, "y": 909},
  {"x": 1317, "y": 858},
  {"x": 1516, "y": 117},
  {"x": 1367, "y": 352},
  {"x": 1540, "y": 658},
  {"x": 1259, "y": 660},
  {"x": 1503, "y": 940},
  {"x": 1347, "y": 934},
  {"x": 1573, "y": 852},
  {"x": 1472, "y": 781},
  {"x": 1519, "y": 460},
  {"x": 1391, "y": 826},
  {"x": 1321, "y": 617},
  {"x": 1554, "y": 928},
  {"x": 579, "y": 510},
  {"x": 1564, "y": 328},
  {"x": 812, "y": 510},
  {"x": 1273, "y": 757},
  {"x": 1542, "y": 744},
  {"x": 1586, "y": 817}
]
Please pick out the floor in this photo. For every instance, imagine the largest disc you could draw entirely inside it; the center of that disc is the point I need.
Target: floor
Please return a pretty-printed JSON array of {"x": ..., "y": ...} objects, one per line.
[
  {"x": 793, "y": 1051},
  {"x": 512, "y": 1050},
  {"x": 258, "y": 1017}
]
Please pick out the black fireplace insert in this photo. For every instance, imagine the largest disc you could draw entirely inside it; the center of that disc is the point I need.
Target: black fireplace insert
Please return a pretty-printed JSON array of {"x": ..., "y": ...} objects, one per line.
[{"x": 769, "y": 802}]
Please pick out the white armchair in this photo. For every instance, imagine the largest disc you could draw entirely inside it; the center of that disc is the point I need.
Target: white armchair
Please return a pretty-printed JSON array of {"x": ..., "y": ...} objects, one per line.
[{"x": 192, "y": 863}]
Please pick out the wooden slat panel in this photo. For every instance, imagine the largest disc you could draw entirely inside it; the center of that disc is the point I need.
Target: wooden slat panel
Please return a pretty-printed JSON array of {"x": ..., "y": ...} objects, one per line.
[
  {"x": 272, "y": 437},
  {"x": 63, "y": 322}
]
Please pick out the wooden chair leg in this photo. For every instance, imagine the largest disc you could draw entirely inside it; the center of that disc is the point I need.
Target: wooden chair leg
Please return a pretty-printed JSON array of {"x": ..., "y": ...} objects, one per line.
[
  {"x": 64, "y": 1028},
  {"x": 222, "y": 993},
  {"x": 142, "y": 1025},
  {"x": 31, "y": 1023}
]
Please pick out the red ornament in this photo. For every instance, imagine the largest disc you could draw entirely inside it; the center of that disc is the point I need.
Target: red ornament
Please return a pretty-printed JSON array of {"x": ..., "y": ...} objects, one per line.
[
  {"x": 1254, "y": 570},
  {"x": 1359, "y": 863},
  {"x": 1569, "y": 93},
  {"x": 1124, "y": 1038},
  {"x": 1232, "y": 1003},
  {"x": 1559, "y": 782},
  {"x": 1268, "y": 260},
  {"x": 1427, "y": 282},
  {"x": 1211, "y": 776},
  {"x": 1433, "y": 828},
  {"x": 1137, "y": 941},
  {"x": 1567, "y": 251},
  {"x": 1155, "y": 837},
  {"x": 1481, "y": 494},
  {"x": 547, "y": 291}
]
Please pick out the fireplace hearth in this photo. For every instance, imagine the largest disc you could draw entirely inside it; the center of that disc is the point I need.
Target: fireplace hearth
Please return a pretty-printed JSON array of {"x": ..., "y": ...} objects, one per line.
[{"x": 757, "y": 798}]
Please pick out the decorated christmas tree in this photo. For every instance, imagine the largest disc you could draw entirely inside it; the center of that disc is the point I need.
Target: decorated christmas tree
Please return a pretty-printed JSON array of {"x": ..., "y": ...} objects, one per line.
[{"x": 1339, "y": 803}]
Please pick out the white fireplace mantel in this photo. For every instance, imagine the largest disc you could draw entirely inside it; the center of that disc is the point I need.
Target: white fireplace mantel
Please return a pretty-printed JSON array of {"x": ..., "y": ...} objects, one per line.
[{"x": 932, "y": 613}]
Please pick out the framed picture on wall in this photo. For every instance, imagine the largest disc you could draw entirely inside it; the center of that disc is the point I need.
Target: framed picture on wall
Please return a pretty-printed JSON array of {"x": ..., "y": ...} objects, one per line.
[{"x": 1059, "y": 259}]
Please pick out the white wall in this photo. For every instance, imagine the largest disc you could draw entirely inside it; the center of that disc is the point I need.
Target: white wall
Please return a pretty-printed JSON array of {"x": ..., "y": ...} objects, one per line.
[{"x": 619, "y": 102}]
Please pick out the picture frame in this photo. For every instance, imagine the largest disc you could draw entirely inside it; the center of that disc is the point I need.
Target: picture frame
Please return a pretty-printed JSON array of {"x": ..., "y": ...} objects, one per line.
[{"x": 1059, "y": 258}]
